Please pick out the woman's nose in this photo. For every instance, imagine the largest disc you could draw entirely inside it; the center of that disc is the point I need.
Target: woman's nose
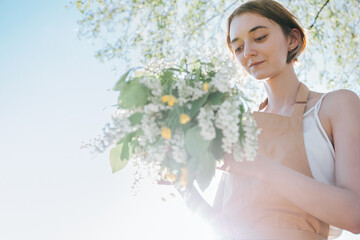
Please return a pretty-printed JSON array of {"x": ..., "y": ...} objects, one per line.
[{"x": 249, "y": 51}]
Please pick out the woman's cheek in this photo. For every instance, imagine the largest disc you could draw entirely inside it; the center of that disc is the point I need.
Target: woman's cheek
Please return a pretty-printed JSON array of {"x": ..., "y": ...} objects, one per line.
[{"x": 243, "y": 63}]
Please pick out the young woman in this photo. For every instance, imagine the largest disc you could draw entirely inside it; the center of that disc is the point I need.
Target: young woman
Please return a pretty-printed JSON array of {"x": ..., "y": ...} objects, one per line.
[{"x": 306, "y": 175}]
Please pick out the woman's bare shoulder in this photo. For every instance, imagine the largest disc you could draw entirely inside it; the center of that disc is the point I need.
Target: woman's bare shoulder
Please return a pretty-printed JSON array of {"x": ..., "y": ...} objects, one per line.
[
  {"x": 333, "y": 99},
  {"x": 340, "y": 100}
]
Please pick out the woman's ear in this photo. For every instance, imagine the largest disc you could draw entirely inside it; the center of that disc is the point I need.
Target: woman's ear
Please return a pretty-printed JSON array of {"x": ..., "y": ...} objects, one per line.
[{"x": 294, "y": 39}]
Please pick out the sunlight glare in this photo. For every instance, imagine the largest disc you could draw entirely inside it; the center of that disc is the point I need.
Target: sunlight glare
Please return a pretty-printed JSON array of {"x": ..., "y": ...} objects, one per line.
[{"x": 158, "y": 212}]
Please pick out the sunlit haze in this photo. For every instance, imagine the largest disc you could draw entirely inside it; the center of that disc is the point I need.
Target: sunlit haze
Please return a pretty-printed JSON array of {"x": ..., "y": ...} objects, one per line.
[{"x": 54, "y": 95}]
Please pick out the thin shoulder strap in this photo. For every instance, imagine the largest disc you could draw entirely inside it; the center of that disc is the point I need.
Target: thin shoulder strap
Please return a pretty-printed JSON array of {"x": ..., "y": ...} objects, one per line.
[
  {"x": 301, "y": 98},
  {"x": 302, "y": 94},
  {"x": 318, "y": 104},
  {"x": 300, "y": 104},
  {"x": 320, "y": 126}
]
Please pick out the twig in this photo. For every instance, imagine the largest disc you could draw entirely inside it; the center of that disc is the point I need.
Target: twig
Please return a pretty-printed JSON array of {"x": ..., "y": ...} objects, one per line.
[
  {"x": 211, "y": 18},
  {"x": 317, "y": 15}
]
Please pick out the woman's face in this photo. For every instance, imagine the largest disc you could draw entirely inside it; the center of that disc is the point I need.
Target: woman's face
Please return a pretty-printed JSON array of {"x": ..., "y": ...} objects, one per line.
[{"x": 259, "y": 44}]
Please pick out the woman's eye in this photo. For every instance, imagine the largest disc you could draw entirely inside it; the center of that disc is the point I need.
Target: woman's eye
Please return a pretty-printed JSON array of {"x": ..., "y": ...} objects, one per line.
[
  {"x": 260, "y": 38},
  {"x": 239, "y": 49}
]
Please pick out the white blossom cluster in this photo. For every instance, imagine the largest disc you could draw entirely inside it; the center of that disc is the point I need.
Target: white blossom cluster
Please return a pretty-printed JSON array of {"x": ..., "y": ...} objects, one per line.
[
  {"x": 177, "y": 144},
  {"x": 206, "y": 119},
  {"x": 227, "y": 75},
  {"x": 156, "y": 66},
  {"x": 138, "y": 174},
  {"x": 238, "y": 152},
  {"x": 113, "y": 132},
  {"x": 188, "y": 93},
  {"x": 148, "y": 122},
  {"x": 155, "y": 153},
  {"x": 146, "y": 162},
  {"x": 142, "y": 169},
  {"x": 154, "y": 147},
  {"x": 150, "y": 128},
  {"x": 250, "y": 146},
  {"x": 251, "y": 136},
  {"x": 153, "y": 170},
  {"x": 153, "y": 84},
  {"x": 227, "y": 119}
]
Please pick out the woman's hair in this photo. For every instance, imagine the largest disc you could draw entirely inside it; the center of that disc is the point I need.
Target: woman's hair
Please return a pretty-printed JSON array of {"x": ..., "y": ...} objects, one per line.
[{"x": 275, "y": 12}]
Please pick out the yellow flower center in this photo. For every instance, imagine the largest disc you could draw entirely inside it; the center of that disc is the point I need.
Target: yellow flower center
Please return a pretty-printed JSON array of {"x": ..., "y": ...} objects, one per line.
[
  {"x": 184, "y": 176},
  {"x": 205, "y": 86},
  {"x": 165, "y": 98},
  {"x": 166, "y": 132},
  {"x": 184, "y": 118},
  {"x": 169, "y": 99}
]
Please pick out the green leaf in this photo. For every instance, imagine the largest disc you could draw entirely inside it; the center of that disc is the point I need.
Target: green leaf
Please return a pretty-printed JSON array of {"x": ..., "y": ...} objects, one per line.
[
  {"x": 136, "y": 118},
  {"x": 241, "y": 131},
  {"x": 124, "y": 152},
  {"x": 192, "y": 167},
  {"x": 197, "y": 74},
  {"x": 134, "y": 143},
  {"x": 133, "y": 94},
  {"x": 119, "y": 84},
  {"x": 242, "y": 109},
  {"x": 167, "y": 80},
  {"x": 195, "y": 144},
  {"x": 216, "y": 98},
  {"x": 173, "y": 118},
  {"x": 197, "y": 104},
  {"x": 215, "y": 145},
  {"x": 174, "y": 69},
  {"x": 127, "y": 143},
  {"x": 115, "y": 158},
  {"x": 182, "y": 62},
  {"x": 128, "y": 137},
  {"x": 206, "y": 170}
]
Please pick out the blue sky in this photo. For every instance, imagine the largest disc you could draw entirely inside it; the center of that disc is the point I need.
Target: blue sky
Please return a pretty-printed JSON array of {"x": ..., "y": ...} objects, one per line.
[{"x": 52, "y": 97}]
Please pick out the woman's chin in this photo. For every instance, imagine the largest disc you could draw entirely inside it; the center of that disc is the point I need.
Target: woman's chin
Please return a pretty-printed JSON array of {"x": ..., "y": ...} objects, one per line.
[{"x": 260, "y": 76}]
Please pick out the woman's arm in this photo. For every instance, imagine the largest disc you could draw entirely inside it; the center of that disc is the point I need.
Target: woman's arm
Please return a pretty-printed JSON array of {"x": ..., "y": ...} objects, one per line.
[{"x": 337, "y": 205}]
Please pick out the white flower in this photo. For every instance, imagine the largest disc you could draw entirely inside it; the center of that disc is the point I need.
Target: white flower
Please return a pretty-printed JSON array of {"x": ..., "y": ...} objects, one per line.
[
  {"x": 153, "y": 84},
  {"x": 250, "y": 146},
  {"x": 227, "y": 119},
  {"x": 251, "y": 136},
  {"x": 149, "y": 154},
  {"x": 187, "y": 92},
  {"x": 113, "y": 132},
  {"x": 177, "y": 143},
  {"x": 238, "y": 152},
  {"x": 155, "y": 153},
  {"x": 206, "y": 118},
  {"x": 156, "y": 66},
  {"x": 150, "y": 128}
]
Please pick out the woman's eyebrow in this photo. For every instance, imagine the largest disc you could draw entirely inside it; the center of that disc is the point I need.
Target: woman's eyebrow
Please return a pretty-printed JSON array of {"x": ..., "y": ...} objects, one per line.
[
  {"x": 250, "y": 31},
  {"x": 256, "y": 28}
]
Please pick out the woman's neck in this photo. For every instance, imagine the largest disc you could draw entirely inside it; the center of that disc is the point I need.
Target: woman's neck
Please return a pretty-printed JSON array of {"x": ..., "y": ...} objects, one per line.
[{"x": 282, "y": 90}]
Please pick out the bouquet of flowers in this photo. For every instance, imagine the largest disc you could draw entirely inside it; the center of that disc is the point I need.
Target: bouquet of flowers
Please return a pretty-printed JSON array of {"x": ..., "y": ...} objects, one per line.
[{"x": 178, "y": 121}]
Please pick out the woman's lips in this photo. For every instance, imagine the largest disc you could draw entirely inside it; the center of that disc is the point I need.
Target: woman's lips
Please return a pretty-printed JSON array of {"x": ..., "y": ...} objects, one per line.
[{"x": 255, "y": 64}]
